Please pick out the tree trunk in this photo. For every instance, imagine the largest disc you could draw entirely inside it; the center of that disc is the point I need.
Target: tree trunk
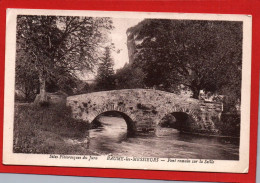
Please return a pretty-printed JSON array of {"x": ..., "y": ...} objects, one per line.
[
  {"x": 43, "y": 94},
  {"x": 27, "y": 95},
  {"x": 195, "y": 92}
]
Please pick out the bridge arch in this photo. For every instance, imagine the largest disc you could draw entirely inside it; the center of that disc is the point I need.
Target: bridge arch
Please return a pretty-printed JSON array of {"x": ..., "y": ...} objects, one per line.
[
  {"x": 181, "y": 119},
  {"x": 109, "y": 107},
  {"x": 131, "y": 126},
  {"x": 192, "y": 113}
]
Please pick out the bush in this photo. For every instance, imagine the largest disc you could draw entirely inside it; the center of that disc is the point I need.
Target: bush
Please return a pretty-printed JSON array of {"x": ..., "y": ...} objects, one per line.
[{"x": 229, "y": 124}]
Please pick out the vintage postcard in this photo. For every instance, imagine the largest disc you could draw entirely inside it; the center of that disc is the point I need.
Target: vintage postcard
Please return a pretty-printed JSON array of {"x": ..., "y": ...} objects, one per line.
[{"x": 128, "y": 90}]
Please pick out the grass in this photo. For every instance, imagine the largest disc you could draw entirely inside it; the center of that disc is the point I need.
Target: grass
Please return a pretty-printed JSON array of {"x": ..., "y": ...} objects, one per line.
[{"x": 48, "y": 130}]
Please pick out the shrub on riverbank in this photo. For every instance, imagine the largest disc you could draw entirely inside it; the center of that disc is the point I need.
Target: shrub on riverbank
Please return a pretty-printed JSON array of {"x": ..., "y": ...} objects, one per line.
[
  {"x": 47, "y": 130},
  {"x": 229, "y": 124}
]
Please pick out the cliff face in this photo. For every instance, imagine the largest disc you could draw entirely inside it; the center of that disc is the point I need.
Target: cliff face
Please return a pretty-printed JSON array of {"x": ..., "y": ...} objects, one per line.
[
  {"x": 133, "y": 39},
  {"x": 131, "y": 47}
]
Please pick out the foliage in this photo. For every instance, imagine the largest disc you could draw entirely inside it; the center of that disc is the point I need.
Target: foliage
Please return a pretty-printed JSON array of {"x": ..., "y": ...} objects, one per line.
[
  {"x": 129, "y": 77},
  {"x": 56, "y": 47},
  {"x": 105, "y": 78},
  {"x": 200, "y": 55},
  {"x": 26, "y": 78},
  {"x": 168, "y": 121},
  {"x": 229, "y": 124},
  {"x": 84, "y": 87}
]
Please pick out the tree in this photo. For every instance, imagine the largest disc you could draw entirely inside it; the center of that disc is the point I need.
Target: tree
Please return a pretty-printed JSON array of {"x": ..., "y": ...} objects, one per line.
[
  {"x": 200, "y": 55},
  {"x": 26, "y": 78},
  {"x": 129, "y": 77},
  {"x": 59, "y": 46},
  {"x": 105, "y": 73}
]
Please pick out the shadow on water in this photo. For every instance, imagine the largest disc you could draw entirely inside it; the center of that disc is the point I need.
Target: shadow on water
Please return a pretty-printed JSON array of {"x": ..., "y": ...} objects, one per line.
[{"x": 112, "y": 137}]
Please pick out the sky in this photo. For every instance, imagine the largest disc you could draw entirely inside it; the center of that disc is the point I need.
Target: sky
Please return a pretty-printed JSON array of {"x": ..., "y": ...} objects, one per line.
[{"x": 119, "y": 38}]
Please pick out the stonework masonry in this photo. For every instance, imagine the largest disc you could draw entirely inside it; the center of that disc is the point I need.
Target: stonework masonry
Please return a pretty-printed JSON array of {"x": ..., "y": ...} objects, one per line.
[{"x": 143, "y": 109}]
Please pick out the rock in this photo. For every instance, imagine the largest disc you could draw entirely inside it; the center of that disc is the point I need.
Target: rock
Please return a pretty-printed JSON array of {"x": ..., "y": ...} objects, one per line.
[{"x": 53, "y": 98}]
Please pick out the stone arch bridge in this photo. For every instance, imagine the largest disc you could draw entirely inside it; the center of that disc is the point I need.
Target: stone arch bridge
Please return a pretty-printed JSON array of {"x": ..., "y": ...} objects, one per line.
[{"x": 144, "y": 109}]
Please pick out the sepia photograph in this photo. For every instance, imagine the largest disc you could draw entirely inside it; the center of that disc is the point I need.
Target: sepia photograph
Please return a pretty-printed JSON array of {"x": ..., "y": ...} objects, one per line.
[{"x": 129, "y": 88}]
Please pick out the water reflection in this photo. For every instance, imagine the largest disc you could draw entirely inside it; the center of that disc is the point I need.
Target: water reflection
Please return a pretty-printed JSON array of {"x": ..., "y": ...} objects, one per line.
[{"x": 112, "y": 138}]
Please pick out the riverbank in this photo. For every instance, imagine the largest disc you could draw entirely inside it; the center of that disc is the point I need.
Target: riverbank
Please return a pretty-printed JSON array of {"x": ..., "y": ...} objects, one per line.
[{"x": 48, "y": 130}]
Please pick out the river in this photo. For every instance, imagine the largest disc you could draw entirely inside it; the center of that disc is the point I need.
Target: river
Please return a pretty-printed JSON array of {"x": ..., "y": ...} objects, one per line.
[{"x": 165, "y": 143}]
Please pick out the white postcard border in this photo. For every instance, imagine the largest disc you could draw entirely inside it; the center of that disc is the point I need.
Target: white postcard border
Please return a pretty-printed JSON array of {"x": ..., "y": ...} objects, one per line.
[{"x": 10, "y": 158}]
